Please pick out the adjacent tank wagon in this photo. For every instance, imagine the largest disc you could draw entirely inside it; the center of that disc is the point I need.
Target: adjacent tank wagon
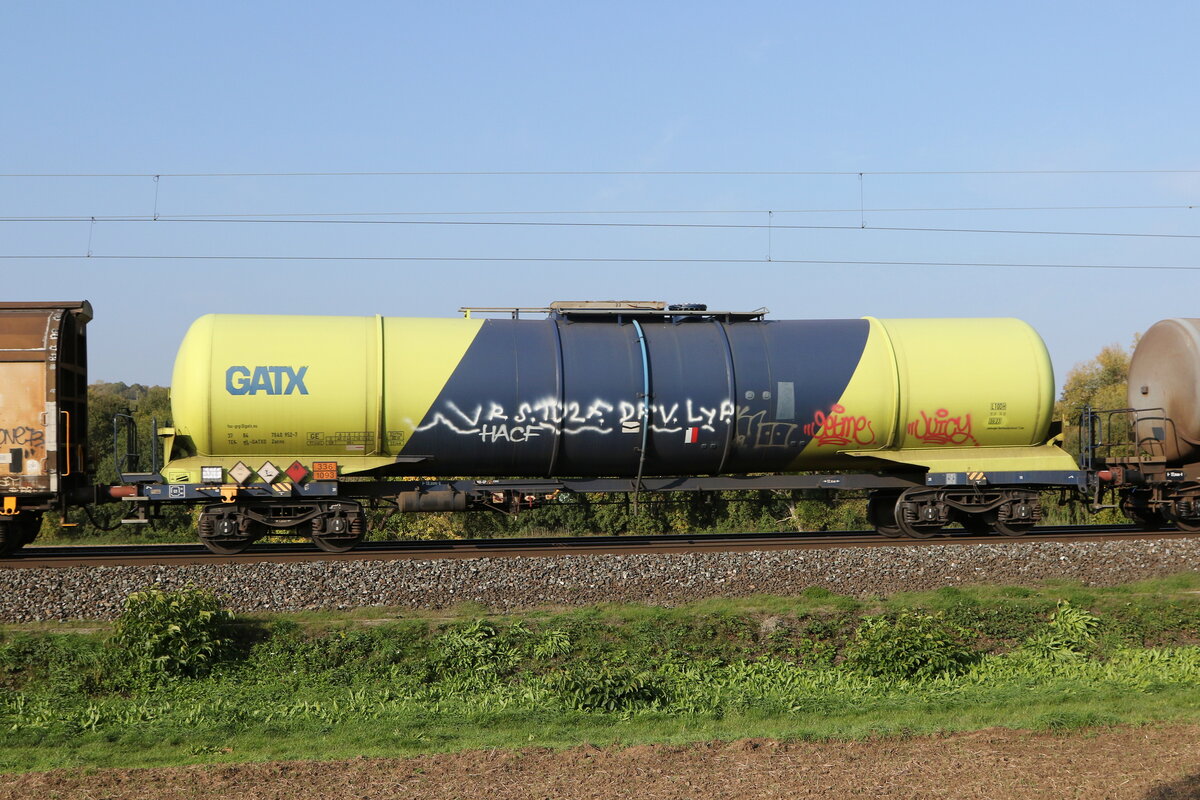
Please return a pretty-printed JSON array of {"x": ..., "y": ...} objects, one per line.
[{"x": 1154, "y": 468}]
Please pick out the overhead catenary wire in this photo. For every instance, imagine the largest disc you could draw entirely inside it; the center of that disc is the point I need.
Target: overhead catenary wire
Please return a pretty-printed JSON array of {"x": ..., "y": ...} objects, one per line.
[
  {"x": 592, "y": 260},
  {"x": 586, "y": 212},
  {"x": 769, "y": 226},
  {"x": 356, "y": 218},
  {"x": 631, "y": 172}
]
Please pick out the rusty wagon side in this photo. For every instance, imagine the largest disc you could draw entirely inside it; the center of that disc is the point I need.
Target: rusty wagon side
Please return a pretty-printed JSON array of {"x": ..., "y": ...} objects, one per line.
[{"x": 43, "y": 413}]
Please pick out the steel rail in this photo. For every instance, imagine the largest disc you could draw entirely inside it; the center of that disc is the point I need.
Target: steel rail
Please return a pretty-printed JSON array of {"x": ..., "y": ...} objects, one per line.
[{"x": 180, "y": 554}]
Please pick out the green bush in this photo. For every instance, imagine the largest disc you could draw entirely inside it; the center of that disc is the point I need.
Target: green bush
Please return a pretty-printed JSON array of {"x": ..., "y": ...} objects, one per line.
[
  {"x": 172, "y": 634},
  {"x": 909, "y": 646},
  {"x": 479, "y": 648},
  {"x": 608, "y": 687},
  {"x": 1068, "y": 635}
]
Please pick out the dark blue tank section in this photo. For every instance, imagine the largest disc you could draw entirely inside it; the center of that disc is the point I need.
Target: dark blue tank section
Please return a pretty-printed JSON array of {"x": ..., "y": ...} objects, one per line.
[
  {"x": 497, "y": 415},
  {"x": 690, "y": 414},
  {"x": 602, "y": 376},
  {"x": 659, "y": 396},
  {"x": 786, "y": 371}
]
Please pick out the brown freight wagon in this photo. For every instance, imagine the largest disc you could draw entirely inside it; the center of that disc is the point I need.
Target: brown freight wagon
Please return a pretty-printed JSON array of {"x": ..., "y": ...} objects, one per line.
[{"x": 43, "y": 413}]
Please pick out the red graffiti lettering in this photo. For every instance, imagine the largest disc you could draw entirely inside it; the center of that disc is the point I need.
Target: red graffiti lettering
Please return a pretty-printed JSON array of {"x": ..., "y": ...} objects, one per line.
[
  {"x": 839, "y": 428},
  {"x": 941, "y": 428}
]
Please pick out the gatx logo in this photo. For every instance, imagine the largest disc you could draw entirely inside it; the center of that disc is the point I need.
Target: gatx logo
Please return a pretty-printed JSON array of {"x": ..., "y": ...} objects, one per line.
[{"x": 265, "y": 380}]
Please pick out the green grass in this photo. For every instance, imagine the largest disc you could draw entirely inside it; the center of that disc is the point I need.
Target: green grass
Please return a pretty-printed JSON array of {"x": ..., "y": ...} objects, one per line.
[
  {"x": 340, "y": 684},
  {"x": 176, "y": 739}
]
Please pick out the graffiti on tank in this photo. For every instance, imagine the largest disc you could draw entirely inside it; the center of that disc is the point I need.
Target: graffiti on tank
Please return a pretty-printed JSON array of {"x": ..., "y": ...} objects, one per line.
[
  {"x": 755, "y": 430},
  {"x": 494, "y": 422},
  {"x": 943, "y": 429},
  {"x": 839, "y": 428}
]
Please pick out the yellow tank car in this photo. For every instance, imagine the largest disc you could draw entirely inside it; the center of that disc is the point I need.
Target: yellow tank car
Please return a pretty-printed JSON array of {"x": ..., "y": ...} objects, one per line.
[
  {"x": 951, "y": 395},
  {"x": 941, "y": 420},
  {"x": 538, "y": 397}
]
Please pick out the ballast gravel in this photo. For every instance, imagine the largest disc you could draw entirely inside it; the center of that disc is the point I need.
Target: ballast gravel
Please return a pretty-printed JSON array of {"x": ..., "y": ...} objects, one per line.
[{"x": 509, "y": 584}]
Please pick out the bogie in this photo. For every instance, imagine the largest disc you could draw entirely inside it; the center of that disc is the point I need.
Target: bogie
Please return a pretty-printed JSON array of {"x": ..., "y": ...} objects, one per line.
[
  {"x": 921, "y": 513},
  {"x": 228, "y": 529}
]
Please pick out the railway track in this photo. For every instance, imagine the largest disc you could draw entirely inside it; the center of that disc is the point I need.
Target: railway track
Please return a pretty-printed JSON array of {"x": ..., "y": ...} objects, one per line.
[{"x": 176, "y": 554}]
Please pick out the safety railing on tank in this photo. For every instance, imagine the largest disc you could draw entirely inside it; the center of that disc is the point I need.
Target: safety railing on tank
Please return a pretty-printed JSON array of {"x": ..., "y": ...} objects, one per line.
[{"x": 1106, "y": 434}]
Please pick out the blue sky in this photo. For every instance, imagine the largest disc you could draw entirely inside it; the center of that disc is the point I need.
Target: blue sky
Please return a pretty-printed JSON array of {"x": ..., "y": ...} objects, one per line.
[{"x": 164, "y": 88}]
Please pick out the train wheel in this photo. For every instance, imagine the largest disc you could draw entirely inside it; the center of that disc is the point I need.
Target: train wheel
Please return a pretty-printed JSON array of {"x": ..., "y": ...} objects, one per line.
[
  {"x": 920, "y": 518},
  {"x": 1014, "y": 519},
  {"x": 1018, "y": 515},
  {"x": 881, "y": 513},
  {"x": 339, "y": 534},
  {"x": 1013, "y": 527},
  {"x": 335, "y": 545},
  {"x": 222, "y": 536},
  {"x": 228, "y": 547},
  {"x": 1188, "y": 524},
  {"x": 919, "y": 530},
  {"x": 1146, "y": 517}
]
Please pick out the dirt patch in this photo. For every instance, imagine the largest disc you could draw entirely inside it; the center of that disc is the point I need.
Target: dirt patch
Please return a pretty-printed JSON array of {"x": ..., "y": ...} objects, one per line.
[{"x": 1153, "y": 763}]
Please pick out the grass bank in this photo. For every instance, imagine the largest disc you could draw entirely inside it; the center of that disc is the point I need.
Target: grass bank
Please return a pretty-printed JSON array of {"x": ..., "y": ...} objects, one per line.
[{"x": 177, "y": 681}]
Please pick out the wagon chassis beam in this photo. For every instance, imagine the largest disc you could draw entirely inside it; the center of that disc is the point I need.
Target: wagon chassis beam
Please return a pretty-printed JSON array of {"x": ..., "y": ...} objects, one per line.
[{"x": 450, "y": 495}]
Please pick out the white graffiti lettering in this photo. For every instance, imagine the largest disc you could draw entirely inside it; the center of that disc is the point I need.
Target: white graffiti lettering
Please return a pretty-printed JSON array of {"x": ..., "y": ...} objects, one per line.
[
  {"x": 530, "y": 419},
  {"x": 504, "y": 433},
  {"x": 468, "y": 419}
]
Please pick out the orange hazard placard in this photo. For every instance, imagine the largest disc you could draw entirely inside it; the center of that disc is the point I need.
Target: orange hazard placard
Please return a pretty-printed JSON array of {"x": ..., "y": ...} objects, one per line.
[{"x": 324, "y": 470}]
